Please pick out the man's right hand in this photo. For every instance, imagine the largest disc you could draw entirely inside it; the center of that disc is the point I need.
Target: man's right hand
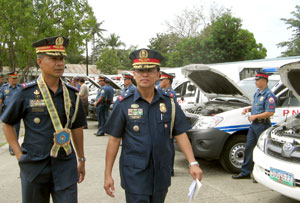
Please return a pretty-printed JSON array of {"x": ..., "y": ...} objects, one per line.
[
  {"x": 109, "y": 186},
  {"x": 246, "y": 110}
]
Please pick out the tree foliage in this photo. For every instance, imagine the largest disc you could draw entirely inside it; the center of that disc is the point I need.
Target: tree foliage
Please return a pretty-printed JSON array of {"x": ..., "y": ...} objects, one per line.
[
  {"x": 222, "y": 40},
  {"x": 108, "y": 61},
  {"x": 293, "y": 46},
  {"x": 26, "y": 21}
]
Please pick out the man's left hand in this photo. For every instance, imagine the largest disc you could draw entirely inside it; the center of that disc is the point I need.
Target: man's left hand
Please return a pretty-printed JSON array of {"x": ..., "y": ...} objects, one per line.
[
  {"x": 81, "y": 171},
  {"x": 196, "y": 172}
]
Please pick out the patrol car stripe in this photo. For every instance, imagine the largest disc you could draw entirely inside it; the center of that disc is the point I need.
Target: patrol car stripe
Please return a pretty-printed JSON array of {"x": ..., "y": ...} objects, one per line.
[{"x": 236, "y": 128}]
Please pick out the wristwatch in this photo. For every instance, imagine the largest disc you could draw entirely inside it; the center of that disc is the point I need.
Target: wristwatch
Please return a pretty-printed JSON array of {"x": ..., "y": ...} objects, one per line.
[
  {"x": 193, "y": 163},
  {"x": 83, "y": 159}
]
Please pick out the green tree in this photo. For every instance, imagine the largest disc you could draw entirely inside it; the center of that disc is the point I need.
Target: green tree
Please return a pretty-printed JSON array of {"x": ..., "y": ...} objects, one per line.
[
  {"x": 113, "y": 41},
  {"x": 293, "y": 46},
  {"x": 108, "y": 61},
  {"x": 165, "y": 44},
  {"x": 23, "y": 22},
  {"x": 227, "y": 41}
]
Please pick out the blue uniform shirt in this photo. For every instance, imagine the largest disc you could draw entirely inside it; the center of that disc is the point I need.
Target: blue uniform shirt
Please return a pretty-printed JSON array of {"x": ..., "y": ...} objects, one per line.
[
  {"x": 167, "y": 90},
  {"x": 145, "y": 162},
  {"x": 7, "y": 92},
  {"x": 101, "y": 93},
  {"x": 28, "y": 104},
  {"x": 109, "y": 93},
  {"x": 130, "y": 88},
  {"x": 264, "y": 101}
]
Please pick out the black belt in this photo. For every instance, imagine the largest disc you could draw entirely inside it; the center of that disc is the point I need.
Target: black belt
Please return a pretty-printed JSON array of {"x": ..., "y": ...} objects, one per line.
[{"x": 262, "y": 120}]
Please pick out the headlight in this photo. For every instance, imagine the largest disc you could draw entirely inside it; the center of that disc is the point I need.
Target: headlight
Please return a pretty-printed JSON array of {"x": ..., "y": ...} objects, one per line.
[
  {"x": 262, "y": 139},
  {"x": 207, "y": 122}
]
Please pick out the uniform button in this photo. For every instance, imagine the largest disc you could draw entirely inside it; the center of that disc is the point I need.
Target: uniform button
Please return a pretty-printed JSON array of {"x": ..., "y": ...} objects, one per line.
[
  {"x": 136, "y": 128},
  {"x": 36, "y": 120}
]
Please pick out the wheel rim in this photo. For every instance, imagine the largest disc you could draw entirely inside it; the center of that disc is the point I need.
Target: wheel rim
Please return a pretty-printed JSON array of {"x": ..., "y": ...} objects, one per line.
[{"x": 236, "y": 155}]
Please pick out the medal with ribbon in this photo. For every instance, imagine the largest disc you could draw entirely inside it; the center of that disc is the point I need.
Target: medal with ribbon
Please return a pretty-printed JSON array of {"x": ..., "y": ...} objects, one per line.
[{"x": 62, "y": 135}]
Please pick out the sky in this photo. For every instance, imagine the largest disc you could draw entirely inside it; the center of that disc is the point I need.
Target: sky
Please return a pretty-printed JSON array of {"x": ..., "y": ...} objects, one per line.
[{"x": 137, "y": 21}]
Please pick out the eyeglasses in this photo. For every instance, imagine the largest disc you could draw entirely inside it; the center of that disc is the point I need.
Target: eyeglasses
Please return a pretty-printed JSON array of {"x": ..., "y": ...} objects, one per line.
[{"x": 146, "y": 70}]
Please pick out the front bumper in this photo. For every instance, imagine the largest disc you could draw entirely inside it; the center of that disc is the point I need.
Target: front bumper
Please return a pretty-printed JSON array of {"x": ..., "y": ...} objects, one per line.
[
  {"x": 207, "y": 143},
  {"x": 261, "y": 173}
]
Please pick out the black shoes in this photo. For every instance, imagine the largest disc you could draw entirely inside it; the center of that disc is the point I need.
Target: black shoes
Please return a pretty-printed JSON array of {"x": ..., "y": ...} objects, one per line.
[
  {"x": 12, "y": 153},
  {"x": 98, "y": 134},
  {"x": 241, "y": 176}
]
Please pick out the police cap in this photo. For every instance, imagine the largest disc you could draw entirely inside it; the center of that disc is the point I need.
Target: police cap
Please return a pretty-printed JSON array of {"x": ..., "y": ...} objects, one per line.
[
  {"x": 164, "y": 75},
  {"x": 145, "y": 58},
  {"x": 261, "y": 75},
  {"x": 127, "y": 75},
  {"x": 13, "y": 74},
  {"x": 53, "y": 46}
]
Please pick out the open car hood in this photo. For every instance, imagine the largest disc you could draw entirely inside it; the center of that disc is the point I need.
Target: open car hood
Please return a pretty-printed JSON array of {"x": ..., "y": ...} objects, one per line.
[
  {"x": 112, "y": 84},
  {"x": 290, "y": 74},
  {"x": 212, "y": 82}
]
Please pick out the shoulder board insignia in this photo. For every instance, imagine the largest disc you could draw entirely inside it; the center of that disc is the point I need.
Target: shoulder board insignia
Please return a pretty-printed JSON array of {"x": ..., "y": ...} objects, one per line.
[
  {"x": 28, "y": 84},
  {"x": 125, "y": 95},
  {"x": 72, "y": 87},
  {"x": 168, "y": 94}
]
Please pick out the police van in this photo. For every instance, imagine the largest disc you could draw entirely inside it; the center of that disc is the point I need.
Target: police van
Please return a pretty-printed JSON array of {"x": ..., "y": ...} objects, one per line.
[
  {"x": 219, "y": 129},
  {"x": 277, "y": 153}
]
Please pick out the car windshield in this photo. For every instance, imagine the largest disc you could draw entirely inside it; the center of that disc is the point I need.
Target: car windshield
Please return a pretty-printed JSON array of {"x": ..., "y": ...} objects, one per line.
[{"x": 249, "y": 87}]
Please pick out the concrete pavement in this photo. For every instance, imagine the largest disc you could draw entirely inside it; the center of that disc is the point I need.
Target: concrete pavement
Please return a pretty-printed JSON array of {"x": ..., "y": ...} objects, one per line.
[{"x": 218, "y": 186}]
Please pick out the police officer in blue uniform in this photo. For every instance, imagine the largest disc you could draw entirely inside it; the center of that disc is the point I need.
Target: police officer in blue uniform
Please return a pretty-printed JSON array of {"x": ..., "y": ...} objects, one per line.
[
  {"x": 263, "y": 107},
  {"x": 109, "y": 96},
  {"x": 146, "y": 120},
  {"x": 100, "y": 105},
  {"x": 128, "y": 82},
  {"x": 6, "y": 93},
  {"x": 49, "y": 110}
]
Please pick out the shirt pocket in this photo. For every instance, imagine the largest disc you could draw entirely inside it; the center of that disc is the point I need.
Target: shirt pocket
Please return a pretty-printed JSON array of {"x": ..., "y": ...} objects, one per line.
[
  {"x": 164, "y": 123},
  {"x": 137, "y": 126}
]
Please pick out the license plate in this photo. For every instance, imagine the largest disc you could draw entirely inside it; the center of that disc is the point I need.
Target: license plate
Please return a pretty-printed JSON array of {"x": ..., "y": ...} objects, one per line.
[{"x": 282, "y": 177}]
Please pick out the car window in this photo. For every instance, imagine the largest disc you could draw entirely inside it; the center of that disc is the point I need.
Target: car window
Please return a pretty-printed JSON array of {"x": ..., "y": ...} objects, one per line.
[
  {"x": 186, "y": 89},
  {"x": 249, "y": 87},
  {"x": 291, "y": 101}
]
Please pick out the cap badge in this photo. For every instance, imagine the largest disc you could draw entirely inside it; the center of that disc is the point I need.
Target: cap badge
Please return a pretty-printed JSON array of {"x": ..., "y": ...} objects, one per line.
[
  {"x": 59, "y": 41},
  {"x": 162, "y": 107},
  {"x": 136, "y": 128},
  {"x": 143, "y": 54}
]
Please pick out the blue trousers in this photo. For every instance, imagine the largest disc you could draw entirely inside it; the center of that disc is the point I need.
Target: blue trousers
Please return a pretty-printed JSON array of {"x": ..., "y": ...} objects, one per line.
[
  {"x": 101, "y": 115},
  {"x": 252, "y": 137},
  {"x": 17, "y": 129},
  {"x": 42, "y": 187},
  {"x": 156, "y": 197}
]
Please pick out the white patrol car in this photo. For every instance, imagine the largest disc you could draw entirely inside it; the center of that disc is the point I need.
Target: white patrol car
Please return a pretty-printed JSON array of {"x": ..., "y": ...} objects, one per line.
[
  {"x": 277, "y": 154},
  {"x": 219, "y": 129}
]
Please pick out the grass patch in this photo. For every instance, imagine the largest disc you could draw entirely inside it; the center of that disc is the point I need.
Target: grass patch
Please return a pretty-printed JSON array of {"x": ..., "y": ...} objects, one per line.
[{"x": 2, "y": 144}]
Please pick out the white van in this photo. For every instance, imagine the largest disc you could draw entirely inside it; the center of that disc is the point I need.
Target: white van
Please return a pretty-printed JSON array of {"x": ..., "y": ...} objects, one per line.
[
  {"x": 277, "y": 154},
  {"x": 219, "y": 129}
]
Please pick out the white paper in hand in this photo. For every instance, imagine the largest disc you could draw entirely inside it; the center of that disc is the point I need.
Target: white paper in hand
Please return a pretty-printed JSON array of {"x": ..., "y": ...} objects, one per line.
[{"x": 194, "y": 189}]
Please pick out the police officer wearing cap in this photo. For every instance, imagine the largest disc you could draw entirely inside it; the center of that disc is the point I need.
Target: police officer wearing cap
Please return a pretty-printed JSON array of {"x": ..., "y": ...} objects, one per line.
[
  {"x": 6, "y": 93},
  {"x": 128, "y": 82},
  {"x": 146, "y": 120},
  {"x": 49, "y": 109},
  {"x": 100, "y": 105},
  {"x": 109, "y": 96},
  {"x": 262, "y": 109},
  {"x": 165, "y": 85}
]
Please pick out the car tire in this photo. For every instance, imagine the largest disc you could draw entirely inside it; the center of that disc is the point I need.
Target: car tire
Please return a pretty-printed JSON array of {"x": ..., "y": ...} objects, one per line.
[{"x": 232, "y": 156}]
